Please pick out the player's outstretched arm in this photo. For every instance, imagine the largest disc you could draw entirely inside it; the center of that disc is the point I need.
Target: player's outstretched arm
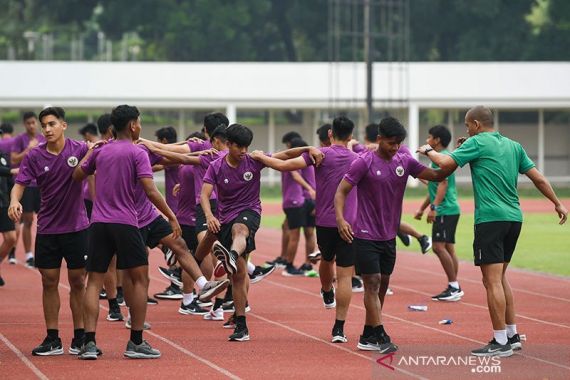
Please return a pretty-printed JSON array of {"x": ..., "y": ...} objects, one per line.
[
  {"x": 316, "y": 154},
  {"x": 543, "y": 185},
  {"x": 283, "y": 165}
]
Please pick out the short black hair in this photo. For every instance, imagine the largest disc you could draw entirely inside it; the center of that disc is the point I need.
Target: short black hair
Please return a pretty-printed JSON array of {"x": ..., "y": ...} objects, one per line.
[
  {"x": 323, "y": 133},
  {"x": 442, "y": 132},
  {"x": 88, "y": 128},
  {"x": 371, "y": 132},
  {"x": 342, "y": 127},
  {"x": 58, "y": 112},
  {"x": 214, "y": 120},
  {"x": 219, "y": 132},
  {"x": 28, "y": 114},
  {"x": 199, "y": 135},
  {"x": 297, "y": 143},
  {"x": 104, "y": 123},
  {"x": 391, "y": 127},
  {"x": 122, "y": 115},
  {"x": 6, "y": 128},
  {"x": 287, "y": 137},
  {"x": 167, "y": 133},
  {"x": 239, "y": 134}
]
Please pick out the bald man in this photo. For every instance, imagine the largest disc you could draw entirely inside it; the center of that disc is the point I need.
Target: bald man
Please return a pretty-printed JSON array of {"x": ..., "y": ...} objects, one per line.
[{"x": 495, "y": 162}]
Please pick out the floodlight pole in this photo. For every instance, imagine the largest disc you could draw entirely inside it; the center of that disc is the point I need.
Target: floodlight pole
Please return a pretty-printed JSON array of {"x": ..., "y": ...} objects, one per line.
[{"x": 368, "y": 59}]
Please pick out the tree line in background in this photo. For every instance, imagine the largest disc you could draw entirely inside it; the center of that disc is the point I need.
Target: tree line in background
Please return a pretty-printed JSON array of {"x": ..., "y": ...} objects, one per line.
[{"x": 274, "y": 30}]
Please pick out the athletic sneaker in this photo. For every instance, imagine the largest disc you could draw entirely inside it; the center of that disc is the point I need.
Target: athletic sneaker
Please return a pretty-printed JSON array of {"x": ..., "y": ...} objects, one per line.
[
  {"x": 450, "y": 294},
  {"x": 192, "y": 308},
  {"x": 49, "y": 347},
  {"x": 172, "y": 292},
  {"x": 405, "y": 238},
  {"x": 515, "y": 342},
  {"x": 102, "y": 294},
  {"x": 241, "y": 334},
  {"x": 279, "y": 262},
  {"x": 219, "y": 269},
  {"x": 328, "y": 299},
  {"x": 228, "y": 258},
  {"x": 173, "y": 275},
  {"x": 77, "y": 346},
  {"x": 372, "y": 343},
  {"x": 314, "y": 257},
  {"x": 146, "y": 325},
  {"x": 141, "y": 351},
  {"x": 389, "y": 292},
  {"x": 215, "y": 315},
  {"x": 115, "y": 314},
  {"x": 260, "y": 273},
  {"x": 357, "y": 286},
  {"x": 231, "y": 322},
  {"x": 291, "y": 271},
  {"x": 151, "y": 301},
  {"x": 425, "y": 243},
  {"x": 229, "y": 307},
  {"x": 338, "y": 336},
  {"x": 203, "y": 304},
  {"x": 169, "y": 256},
  {"x": 494, "y": 349},
  {"x": 121, "y": 297},
  {"x": 212, "y": 289},
  {"x": 12, "y": 258},
  {"x": 308, "y": 270},
  {"x": 30, "y": 262},
  {"x": 89, "y": 352}
]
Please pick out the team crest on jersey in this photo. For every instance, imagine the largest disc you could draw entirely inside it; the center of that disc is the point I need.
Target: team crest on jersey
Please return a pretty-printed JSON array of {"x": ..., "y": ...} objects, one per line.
[
  {"x": 72, "y": 161},
  {"x": 46, "y": 168},
  {"x": 378, "y": 172},
  {"x": 226, "y": 181},
  {"x": 248, "y": 176},
  {"x": 3, "y": 161},
  {"x": 399, "y": 171}
]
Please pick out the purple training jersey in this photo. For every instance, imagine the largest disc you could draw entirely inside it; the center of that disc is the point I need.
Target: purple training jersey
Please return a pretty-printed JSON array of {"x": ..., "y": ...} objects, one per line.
[
  {"x": 170, "y": 180},
  {"x": 20, "y": 143},
  {"x": 186, "y": 203},
  {"x": 292, "y": 191},
  {"x": 308, "y": 175},
  {"x": 6, "y": 145},
  {"x": 146, "y": 212},
  {"x": 200, "y": 171}
]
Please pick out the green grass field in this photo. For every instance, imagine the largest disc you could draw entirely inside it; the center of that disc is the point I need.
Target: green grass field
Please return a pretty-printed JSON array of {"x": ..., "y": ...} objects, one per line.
[{"x": 543, "y": 246}]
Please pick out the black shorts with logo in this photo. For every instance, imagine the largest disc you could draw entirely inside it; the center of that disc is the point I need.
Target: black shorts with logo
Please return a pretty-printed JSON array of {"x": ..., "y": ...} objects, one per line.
[
  {"x": 31, "y": 200},
  {"x": 373, "y": 257},
  {"x": 309, "y": 213},
  {"x": 495, "y": 242},
  {"x": 296, "y": 217},
  {"x": 189, "y": 236},
  {"x": 443, "y": 228},
  {"x": 332, "y": 247},
  {"x": 201, "y": 224},
  {"x": 51, "y": 249},
  {"x": 155, "y": 231},
  {"x": 108, "y": 239},
  {"x": 251, "y": 219},
  {"x": 6, "y": 224}
]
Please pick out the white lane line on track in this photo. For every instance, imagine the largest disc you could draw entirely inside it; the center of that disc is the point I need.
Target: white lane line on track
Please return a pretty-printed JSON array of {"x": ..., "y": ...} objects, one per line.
[{"x": 23, "y": 358}]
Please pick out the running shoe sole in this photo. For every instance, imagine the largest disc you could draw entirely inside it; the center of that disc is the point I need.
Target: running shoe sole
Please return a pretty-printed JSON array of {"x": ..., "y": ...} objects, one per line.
[
  {"x": 225, "y": 257},
  {"x": 212, "y": 292},
  {"x": 57, "y": 351}
]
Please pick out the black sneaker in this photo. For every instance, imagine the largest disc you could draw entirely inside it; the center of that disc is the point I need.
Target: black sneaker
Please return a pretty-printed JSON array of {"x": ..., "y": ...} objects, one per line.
[
  {"x": 77, "y": 346},
  {"x": 338, "y": 336},
  {"x": 231, "y": 322},
  {"x": 373, "y": 343},
  {"x": 260, "y": 273},
  {"x": 172, "y": 292},
  {"x": 357, "y": 286},
  {"x": 12, "y": 258},
  {"x": 228, "y": 306},
  {"x": 227, "y": 258},
  {"x": 328, "y": 299},
  {"x": 291, "y": 271},
  {"x": 425, "y": 243},
  {"x": 169, "y": 256},
  {"x": 121, "y": 297},
  {"x": 30, "y": 262},
  {"x": 89, "y": 352},
  {"x": 173, "y": 275},
  {"x": 405, "y": 238},
  {"x": 102, "y": 294},
  {"x": 306, "y": 267},
  {"x": 314, "y": 257},
  {"x": 515, "y": 342},
  {"x": 279, "y": 262},
  {"x": 49, "y": 347},
  {"x": 192, "y": 308},
  {"x": 115, "y": 314},
  {"x": 241, "y": 334},
  {"x": 450, "y": 294},
  {"x": 151, "y": 301},
  {"x": 494, "y": 349}
]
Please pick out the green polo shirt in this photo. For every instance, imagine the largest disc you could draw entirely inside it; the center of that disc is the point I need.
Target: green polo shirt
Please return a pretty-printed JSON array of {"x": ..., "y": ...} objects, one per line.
[
  {"x": 495, "y": 162},
  {"x": 449, "y": 204}
]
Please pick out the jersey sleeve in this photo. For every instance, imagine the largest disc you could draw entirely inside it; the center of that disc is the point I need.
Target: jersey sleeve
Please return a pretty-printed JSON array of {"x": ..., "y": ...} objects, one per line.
[
  {"x": 142, "y": 165},
  {"x": 307, "y": 157},
  {"x": 210, "y": 176},
  {"x": 26, "y": 174},
  {"x": 415, "y": 167},
  {"x": 467, "y": 152},
  {"x": 88, "y": 166},
  {"x": 356, "y": 171},
  {"x": 525, "y": 163}
]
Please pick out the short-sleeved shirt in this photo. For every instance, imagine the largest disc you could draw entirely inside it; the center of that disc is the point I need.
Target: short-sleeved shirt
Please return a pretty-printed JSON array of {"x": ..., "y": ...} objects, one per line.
[
  {"x": 120, "y": 164},
  {"x": 6, "y": 145},
  {"x": 291, "y": 191},
  {"x": 449, "y": 205},
  {"x": 238, "y": 188},
  {"x": 61, "y": 207},
  {"x": 308, "y": 175},
  {"x": 186, "y": 203},
  {"x": 496, "y": 162},
  {"x": 146, "y": 212},
  {"x": 200, "y": 170},
  {"x": 381, "y": 185},
  {"x": 329, "y": 173},
  {"x": 170, "y": 180},
  {"x": 21, "y": 142}
]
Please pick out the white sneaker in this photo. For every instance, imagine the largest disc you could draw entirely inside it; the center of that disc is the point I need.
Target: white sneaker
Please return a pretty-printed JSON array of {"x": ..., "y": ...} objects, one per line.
[
  {"x": 215, "y": 315},
  {"x": 389, "y": 292}
]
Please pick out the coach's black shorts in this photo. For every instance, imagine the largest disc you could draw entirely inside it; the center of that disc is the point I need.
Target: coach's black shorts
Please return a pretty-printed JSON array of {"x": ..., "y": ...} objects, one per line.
[
  {"x": 296, "y": 217},
  {"x": 88, "y": 207},
  {"x": 374, "y": 257},
  {"x": 333, "y": 246},
  {"x": 201, "y": 224},
  {"x": 443, "y": 228},
  {"x": 309, "y": 206},
  {"x": 251, "y": 219},
  {"x": 6, "y": 224},
  {"x": 155, "y": 231},
  {"x": 31, "y": 200},
  {"x": 106, "y": 239},
  {"x": 189, "y": 236},
  {"x": 52, "y": 248},
  {"x": 495, "y": 242}
]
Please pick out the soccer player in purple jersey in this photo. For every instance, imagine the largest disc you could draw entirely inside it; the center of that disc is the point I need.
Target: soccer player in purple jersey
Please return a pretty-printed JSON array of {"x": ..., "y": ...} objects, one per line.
[
  {"x": 62, "y": 224},
  {"x": 381, "y": 178},
  {"x": 6, "y": 142}
]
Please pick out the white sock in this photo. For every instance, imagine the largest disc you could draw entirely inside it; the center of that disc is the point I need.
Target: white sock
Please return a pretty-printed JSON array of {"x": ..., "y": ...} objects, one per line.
[
  {"x": 29, "y": 255},
  {"x": 500, "y": 336},
  {"x": 201, "y": 281},
  {"x": 128, "y": 313},
  {"x": 250, "y": 267},
  {"x": 511, "y": 330},
  {"x": 454, "y": 284},
  {"x": 187, "y": 298}
]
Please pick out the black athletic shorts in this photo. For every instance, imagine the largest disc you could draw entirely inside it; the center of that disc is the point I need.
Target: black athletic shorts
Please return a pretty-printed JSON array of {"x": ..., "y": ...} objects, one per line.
[
  {"x": 201, "y": 224},
  {"x": 373, "y": 257},
  {"x": 6, "y": 224},
  {"x": 52, "y": 248},
  {"x": 495, "y": 242},
  {"x": 296, "y": 217},
  {"x": 333, "y": 246},
  {"x": 155, "y": 231},
  {"x": 251, "y": 219},
  {"x": 31, "y": 200},
  {"x": 88, "y": 207},
  {"x": 443, "y": 228},
  {"x": 108, "y": 239},
  {"x": 309, "y": 213},
  {"x": 189, "y": 236}
]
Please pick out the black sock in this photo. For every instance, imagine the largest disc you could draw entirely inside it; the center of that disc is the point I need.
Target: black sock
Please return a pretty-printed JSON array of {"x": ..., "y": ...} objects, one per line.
[
  {"x": 12, "y": 251},
  {"x": 136, "y": 336},
  {"x": 240, "y": 321},
  {"x": 379, "y": 330},
  {"x": 53, "y": 334},
  {"x": 338, "y": 324},
  {"x": 90, "y": 337},
  {"x": 229, "y": 295},
  {"x": 368, "y": 331},
  {"x": 381, "y": 327},
  {"x": 218, "y": 303},
  {"x": 78, "y": 333},
  {"x": 113, "y": 304},
  {"x": 119, "y": 291}
]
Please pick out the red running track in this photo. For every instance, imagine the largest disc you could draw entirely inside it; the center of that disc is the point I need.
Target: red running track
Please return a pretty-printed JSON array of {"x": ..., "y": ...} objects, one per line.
[{"x": 290, "y": 330}]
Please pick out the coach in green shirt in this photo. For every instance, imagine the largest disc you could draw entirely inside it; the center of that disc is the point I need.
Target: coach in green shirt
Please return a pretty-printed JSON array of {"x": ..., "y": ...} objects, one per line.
[{"x": 495, "y": 162}]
